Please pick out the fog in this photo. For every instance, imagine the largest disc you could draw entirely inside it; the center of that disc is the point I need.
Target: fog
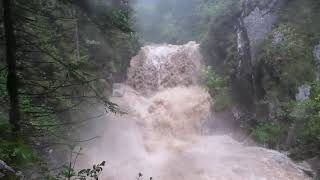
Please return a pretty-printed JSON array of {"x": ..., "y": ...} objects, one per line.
[{"x": 171, "y": 21}]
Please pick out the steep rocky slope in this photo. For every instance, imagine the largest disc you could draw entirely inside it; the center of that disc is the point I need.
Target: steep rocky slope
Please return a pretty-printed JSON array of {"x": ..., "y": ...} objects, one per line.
[{"x": 269, "y": 53}]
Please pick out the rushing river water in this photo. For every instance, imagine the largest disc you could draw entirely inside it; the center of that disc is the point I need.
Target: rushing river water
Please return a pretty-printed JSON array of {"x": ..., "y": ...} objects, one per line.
[{"x": 164, "y": 133}]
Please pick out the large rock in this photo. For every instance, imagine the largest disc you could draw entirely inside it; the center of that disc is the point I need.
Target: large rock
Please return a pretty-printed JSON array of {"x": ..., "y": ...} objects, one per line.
[
  {"x": 260, "y": 22},
  {"x": 304, "y": 92}
]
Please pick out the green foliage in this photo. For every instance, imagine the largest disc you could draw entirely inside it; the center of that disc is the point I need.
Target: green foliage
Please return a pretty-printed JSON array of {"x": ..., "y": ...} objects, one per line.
[
  {"x": 13, "y": 150},
  {"x": 68, "y": 172},
  {"x": 297, "y": 127},
  {"x": 281, "y": 68},
  {"x": 268, "y": 133},
  {"x": 218, "y": 89},
  {"x": 16, "y": 153},
  {"x": 303, "y": 15},
  {"x": 215, "y": 82},
  {"x": 92, "y": 173},
  {"x": 287, "y": 64},
  {"x": 59, "y": 70},
  {"x": 219, "y": 46},
  {"x": 284, "y": 66},
  {"x": 306, "y": 119}
]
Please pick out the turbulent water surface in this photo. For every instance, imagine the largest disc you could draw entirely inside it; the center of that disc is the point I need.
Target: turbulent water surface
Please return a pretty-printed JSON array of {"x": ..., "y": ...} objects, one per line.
[{"x": 164, "y": 133}]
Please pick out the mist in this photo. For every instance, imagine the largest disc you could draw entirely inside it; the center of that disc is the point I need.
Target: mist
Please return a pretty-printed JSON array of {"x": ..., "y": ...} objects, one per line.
[
  {"x": 166, "y": 134},
  {"x": 171, "y": 21}
]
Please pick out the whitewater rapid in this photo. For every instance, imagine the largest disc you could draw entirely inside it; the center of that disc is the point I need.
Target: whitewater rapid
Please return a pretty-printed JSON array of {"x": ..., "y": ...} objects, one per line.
[{"x": 164, "y": 133}]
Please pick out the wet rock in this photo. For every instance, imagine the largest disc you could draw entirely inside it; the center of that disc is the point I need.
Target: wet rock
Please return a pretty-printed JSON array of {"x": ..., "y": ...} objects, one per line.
[
  {"x": 306, "y": 168},
  {"x": 6, "y": 170},
  {"x": 118, "y": 90},
  {"x": 242, "y": 82},
  {"x": 260, "y": 22},
  {"x": 303, "y": 93},
  {"x": 278, "y": 37},
  {"x": 316, "y": 53},
  {"x": 93, "y": 42},
  {"x": 5, "y": 167}
]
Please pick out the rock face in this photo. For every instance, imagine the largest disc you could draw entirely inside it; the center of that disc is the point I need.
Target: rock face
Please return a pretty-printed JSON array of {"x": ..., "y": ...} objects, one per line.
[
  {"x": 303, "y": 93},
  {"x": 164, "y": 134},
  {"x": 260, "y": 22},
  {"x": 242, "y": 81},
  {"x": 316, "y": 53},
  {"x": 161, "y": 66}
]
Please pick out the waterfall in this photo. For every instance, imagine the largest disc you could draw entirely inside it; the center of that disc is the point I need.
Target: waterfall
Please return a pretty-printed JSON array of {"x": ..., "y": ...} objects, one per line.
[{"x": 163, "y": 134}]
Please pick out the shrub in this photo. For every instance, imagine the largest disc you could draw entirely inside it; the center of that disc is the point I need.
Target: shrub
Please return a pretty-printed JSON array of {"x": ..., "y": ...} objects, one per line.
[
  {"x": 268, "y": 133},
  {"x": 218, "y": 89}
]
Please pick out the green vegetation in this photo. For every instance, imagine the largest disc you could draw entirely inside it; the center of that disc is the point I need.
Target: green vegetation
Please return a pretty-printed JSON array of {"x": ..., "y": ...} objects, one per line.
[
  {"x": 269, "y": 133},
  {"x": 297, "y": 127},
  {"x": 305, "y": 125},
  {"x": 286, "y": 65},
  {"x": 218, "y": 89},
  {"x": 219, "y": 46},
  {"x": 58, "y": 56},
  {"x": 283, "y": 67},
  {"x": 285, "y": 61}
]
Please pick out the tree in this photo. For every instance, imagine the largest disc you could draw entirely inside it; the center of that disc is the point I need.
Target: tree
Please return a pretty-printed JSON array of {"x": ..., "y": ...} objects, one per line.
[
  {"x": 12, "y": 79},
  {"x": 53, "y": 69}
]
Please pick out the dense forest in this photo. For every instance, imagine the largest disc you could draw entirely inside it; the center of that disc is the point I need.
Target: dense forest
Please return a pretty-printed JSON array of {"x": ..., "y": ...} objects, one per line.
[
  {"x": 56, "y": 55},
  {"x": 60, "y": 60}
]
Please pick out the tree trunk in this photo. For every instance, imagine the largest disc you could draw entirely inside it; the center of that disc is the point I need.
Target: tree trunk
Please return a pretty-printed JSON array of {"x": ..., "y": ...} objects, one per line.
[{"x": 12, "y": 79}]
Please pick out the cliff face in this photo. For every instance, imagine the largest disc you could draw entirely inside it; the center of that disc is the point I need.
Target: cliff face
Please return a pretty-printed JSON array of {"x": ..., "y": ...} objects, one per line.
[
  {"x": 232, "y": 44},
  {"x": 260, "y": 21},
  {"x": 268, "y": 51},
  {"x": 241, "y": 44}
]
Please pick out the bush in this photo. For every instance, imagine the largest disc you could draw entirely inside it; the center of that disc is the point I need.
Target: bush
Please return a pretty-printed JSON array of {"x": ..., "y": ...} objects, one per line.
[
  {"x": 301, "y": 125},
  {"x": 307, "y": 129},
  {"x": 269, "y": 133},
  {"x": 218, "y": 89},
  {"x": 286, "y": 65}
]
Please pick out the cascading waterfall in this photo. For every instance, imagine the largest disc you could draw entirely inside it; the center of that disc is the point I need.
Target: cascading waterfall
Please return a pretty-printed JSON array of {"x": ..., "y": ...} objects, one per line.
[{"x": 164, "y": 135}]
